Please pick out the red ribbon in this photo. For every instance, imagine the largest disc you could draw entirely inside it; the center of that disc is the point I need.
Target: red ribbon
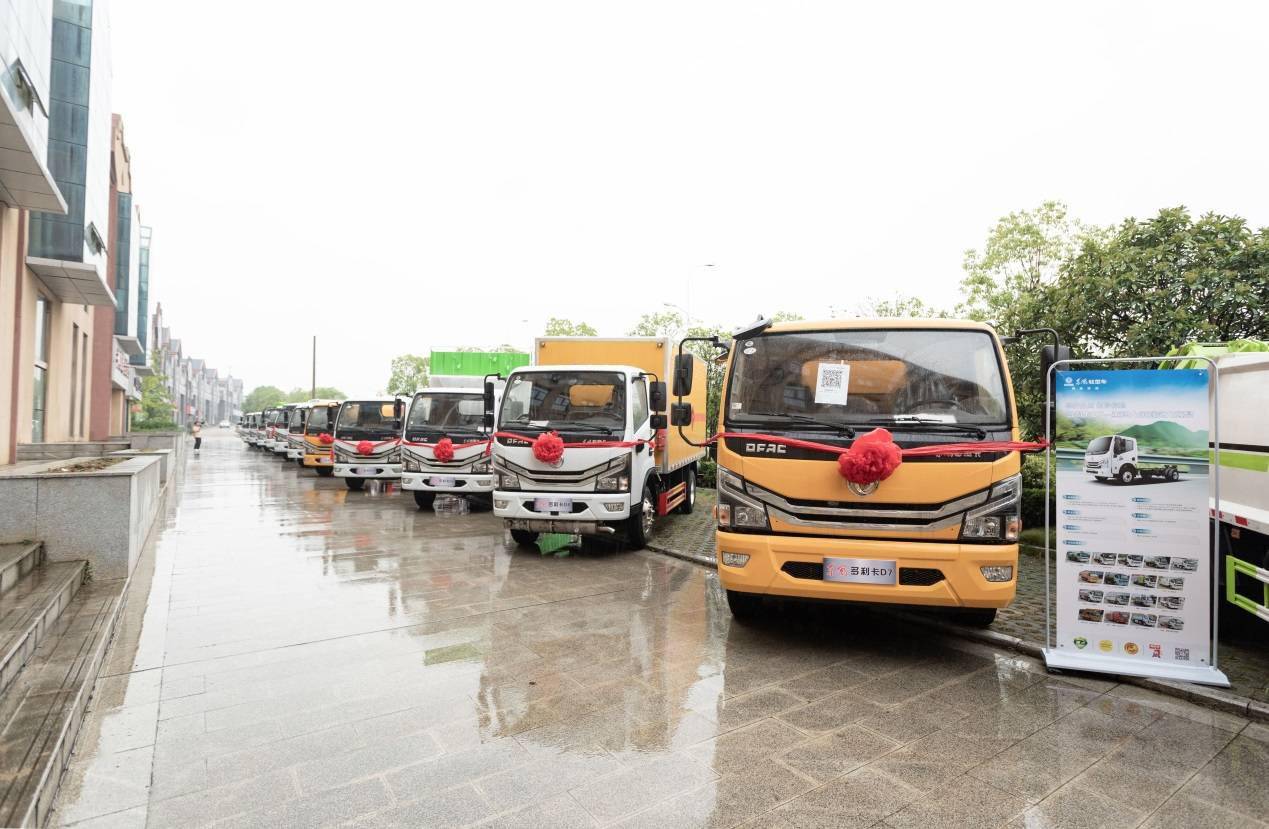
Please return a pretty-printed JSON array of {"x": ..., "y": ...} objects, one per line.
[
  {"x": 365, "y": 447},
  {"x": 325, "y": 439},
  {"x": 875, "y": 462},
  {"x": 595, "y": 444}
]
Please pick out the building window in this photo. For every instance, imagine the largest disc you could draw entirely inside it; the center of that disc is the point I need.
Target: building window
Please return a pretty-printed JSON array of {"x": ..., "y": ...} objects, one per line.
[
  {"x": 83, "y": 381},
  {"x": 39, "y": 396},
  {"x": 74, "y": 378}
]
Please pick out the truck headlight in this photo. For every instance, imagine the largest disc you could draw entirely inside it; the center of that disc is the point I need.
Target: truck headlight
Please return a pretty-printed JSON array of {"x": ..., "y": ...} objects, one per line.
[
  {"x": 409, "y": 464},
  {"x": 616, "y": 478},
  {"x": 480, "y": 467},
  {"x": 736, "y": 510},
  {"x": 1000, "y": 518},
  {"x": 507, "y": 480}
]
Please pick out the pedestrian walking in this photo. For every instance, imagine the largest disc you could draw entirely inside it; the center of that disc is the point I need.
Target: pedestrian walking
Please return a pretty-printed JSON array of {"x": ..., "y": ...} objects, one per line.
[{"x": 197, "y": 430}]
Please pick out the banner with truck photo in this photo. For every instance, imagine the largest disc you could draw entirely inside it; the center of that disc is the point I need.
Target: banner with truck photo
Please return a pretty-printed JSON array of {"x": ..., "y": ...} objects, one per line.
[{"x": 1134, "y": 572}]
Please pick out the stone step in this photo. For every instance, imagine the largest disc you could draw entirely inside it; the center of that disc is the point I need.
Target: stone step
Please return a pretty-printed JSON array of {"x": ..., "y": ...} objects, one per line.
[
  {"x": 16, "y": 560},
  {"x": 29, "y": 609},
  {"x": 41, "y": 712}
]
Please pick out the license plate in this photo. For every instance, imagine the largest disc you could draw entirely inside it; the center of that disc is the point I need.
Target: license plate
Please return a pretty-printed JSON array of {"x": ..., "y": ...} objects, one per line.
[
  {"x": 363, "y": 470},
  {"x": 441, "y": 480},
  {"x": 860, "y": 570},
  {"x": 552, "y": 504}
]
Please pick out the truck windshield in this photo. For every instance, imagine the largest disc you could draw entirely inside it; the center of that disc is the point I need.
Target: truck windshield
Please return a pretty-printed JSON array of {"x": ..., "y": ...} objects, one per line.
[
  {"x": 296, "y": 426},
  {"x": 869, "y": 377},
  {"x": 434, "y": 413},
  {"x": 273, "y": 417},
  {"x": 320, "y": 419},
  {"x": 1098, "y": 446},
  {"x": 367, "y": 419},
  {"x": 560, "y": 399}
]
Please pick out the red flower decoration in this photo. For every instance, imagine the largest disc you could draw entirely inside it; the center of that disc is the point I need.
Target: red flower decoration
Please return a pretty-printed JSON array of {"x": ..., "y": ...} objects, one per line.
[
  {"x": 365, "y": 447},
  {"x": 548, "y": 448},
  {"x": 870, "y": 459},
  {"x": 443, "y": 451},
  {"x": 325, "y": 439}
]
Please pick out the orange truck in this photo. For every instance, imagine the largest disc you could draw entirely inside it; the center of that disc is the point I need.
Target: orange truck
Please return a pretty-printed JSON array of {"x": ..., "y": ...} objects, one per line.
[{"x": 940, "y": 531}]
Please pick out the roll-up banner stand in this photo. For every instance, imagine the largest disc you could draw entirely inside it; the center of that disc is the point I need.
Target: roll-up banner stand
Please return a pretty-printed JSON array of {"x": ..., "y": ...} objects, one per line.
[{"x": 1135, "y": 569}]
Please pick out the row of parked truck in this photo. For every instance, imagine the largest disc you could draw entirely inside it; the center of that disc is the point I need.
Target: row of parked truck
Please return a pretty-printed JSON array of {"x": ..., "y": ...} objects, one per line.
[
  {"x": 616, "y": 465},
  {"x": 588, "y": 440}
]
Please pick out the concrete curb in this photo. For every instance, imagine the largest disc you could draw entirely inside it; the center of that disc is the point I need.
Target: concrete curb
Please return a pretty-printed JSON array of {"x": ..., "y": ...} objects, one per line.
[{"x": 1214, "y": 698}]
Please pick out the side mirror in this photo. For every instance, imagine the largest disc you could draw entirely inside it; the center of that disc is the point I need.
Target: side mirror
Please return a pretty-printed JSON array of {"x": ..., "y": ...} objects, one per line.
[
  {"x": 398, "y": 411},
  {"x": 683, "y": 367},
  {"x": 657, "y": 421},
  {"x": 656, "y": 396},
  {"x": 1051, "y": 354},
  {"x": 681, "y": 414},
  {"x": 489, "y": 405}
]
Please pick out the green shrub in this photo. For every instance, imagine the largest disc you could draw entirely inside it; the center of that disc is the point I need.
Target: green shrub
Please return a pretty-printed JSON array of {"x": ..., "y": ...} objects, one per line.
[{"x": 155, "y": 426}]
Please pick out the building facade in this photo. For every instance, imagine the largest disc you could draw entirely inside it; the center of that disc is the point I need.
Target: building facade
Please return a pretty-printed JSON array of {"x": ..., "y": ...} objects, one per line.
[{"x": 198, "y": 392}]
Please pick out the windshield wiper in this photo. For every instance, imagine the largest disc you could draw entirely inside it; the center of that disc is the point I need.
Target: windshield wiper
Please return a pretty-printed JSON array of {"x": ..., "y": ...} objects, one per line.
[
  {"x": 932, "y": 424},
  {"x": 573, "y": 426},
  {"x": 838, "y": 427}
]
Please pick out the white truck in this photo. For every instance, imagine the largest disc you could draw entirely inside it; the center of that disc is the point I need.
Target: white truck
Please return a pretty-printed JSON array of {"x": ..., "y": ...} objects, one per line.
[
  {"x": 1243, "y": 431},
  {"x": 437, "y": 414},
  {"x": 367, "y": 441},
  {"x": 294, "y": 435},
  {"x": 1115, "y": 458},
  {"x": 620, "y": 467}
]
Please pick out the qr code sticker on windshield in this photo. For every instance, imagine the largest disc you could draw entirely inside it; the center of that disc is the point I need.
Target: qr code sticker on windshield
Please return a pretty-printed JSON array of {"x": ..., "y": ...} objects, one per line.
[{"x": 831, "y": 383}]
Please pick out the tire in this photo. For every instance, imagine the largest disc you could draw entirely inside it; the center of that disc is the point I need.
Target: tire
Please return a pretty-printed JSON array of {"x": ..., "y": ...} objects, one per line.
[
  {"x": 525, "y": 538},
  {"x": 424, "y": 499},
  {"x": 640, "y": 525},
  {"x": 324, "y": 471},
  {"x": 744, "y": 607},
  {"x": 299, "y": 462},
  {"x": 979, "y": 617},
  {"x": 1127, "y": 475},
  {"x": 689, "y": 501},
  {"x": 1173, "y": 475},
  {"x": 355, "y": 484}
]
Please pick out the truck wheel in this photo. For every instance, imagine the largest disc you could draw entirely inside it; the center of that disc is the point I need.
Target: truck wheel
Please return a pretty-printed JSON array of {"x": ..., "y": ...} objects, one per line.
[
  {"x": 1127, "y": 475},
  {"x": 355, "y": 484},
  {"x": 1173, "y": 475},
  {"x": 324, "y": 471},
  {"x": 689, "y": 495},
  {"x": 525, "y": 538},
  {"x": 424, "y": 499},
  {"x": 642, "y": 520},
  {"x": 744, "y": 606},
  {"x": 979, "y": 617}
]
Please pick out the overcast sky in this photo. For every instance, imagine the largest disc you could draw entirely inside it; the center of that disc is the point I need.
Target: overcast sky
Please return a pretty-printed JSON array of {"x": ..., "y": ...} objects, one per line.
[{"x": 397, "y": 177}]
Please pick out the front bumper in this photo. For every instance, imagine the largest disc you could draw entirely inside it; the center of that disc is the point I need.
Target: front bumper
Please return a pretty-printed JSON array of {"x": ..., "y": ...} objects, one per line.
[
  {"x": 591, "y": 508},
  {"x": 962, "y": 585},
  {"x": 464, "y": 484},
  {"x": 314, "y": 460},
  {"x": 368, "y": 469}
]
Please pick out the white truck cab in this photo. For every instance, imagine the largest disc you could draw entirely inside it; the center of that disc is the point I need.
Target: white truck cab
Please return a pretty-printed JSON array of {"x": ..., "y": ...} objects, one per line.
[
  {"x": 366, "y": 440},
  {"x": 620, "y": 469},
  {"x": 1115, "y": 458},
  {"x": 294, "y": 435},
  {"x": 436, "y": 414}
]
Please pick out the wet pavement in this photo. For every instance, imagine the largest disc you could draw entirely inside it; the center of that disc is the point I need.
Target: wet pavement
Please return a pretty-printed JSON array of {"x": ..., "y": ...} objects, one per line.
[{"x": 293, "y": 654}]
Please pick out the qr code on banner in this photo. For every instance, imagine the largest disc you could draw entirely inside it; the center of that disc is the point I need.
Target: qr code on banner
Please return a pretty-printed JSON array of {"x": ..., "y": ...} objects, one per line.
[{"x": 1181, "y": 654}]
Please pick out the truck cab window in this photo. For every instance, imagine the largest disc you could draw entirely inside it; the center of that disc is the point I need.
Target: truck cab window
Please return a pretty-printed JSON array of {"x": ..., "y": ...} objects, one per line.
[{"x": 639, "y": 402}]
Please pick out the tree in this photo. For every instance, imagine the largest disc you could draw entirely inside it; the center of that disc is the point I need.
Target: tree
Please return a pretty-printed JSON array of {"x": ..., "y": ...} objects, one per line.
[
  {"x": 899, "y": 306},
  {"x": 1152, "y": 285},
  {"x": 786, "y": 316},
  {"x": 1023, "y": 254},
  {"x": 559, "y": 327},
  {"x": 157, "y": 410},
  {"x": 659, "y": 324},
  {"x": 409, "y": 374},
  {"x": 263, "y": 397},
  {"x": 298, "y": 395}
]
